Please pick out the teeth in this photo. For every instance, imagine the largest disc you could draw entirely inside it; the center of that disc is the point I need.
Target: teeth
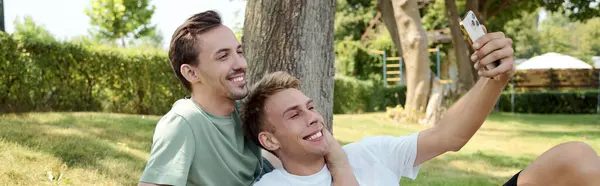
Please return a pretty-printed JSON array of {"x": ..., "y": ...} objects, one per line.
[
  {"x": 315, "y": 136},
  {"x": 238, "y": 79}
]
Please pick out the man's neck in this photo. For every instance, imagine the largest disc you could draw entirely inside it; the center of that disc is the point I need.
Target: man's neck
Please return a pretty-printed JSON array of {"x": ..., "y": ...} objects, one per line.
[
  {"x": 212, "y": 103},
  {"x": 303, "y": 167}
]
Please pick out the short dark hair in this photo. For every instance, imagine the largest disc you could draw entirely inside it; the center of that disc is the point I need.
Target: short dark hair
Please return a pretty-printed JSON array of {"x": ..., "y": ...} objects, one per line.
[
  {"x": 252, "y": 109},
  {"x": 185, "y": 41}
]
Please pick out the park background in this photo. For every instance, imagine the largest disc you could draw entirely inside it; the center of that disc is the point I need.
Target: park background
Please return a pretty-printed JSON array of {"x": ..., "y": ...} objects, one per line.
[{"x": 83, "y": 83}]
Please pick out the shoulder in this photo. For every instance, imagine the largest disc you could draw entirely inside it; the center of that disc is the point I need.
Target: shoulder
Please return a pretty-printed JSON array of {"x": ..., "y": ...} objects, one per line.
[
  {"x": 172, "y": 125},
  {"x": 185, "y": 110},
  {"x": 179, "y": 119}
]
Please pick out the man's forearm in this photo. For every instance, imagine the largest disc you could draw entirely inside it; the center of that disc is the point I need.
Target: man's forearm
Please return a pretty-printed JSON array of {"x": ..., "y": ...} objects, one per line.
[{"x": 467, "y": 115}]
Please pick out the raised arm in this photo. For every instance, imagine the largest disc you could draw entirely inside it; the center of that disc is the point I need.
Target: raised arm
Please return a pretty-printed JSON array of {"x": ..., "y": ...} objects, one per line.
[{"x": 466, "y": 116}]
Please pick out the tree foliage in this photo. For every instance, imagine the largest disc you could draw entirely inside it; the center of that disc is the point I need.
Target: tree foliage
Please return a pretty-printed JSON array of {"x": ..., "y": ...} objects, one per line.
[
  {"x": 582, "y": 10},
  {"x": 29, "y": 30},
  {"x": 578, "y": 39},
  {"x": 353, "y": 55},
  {"x": 495, "y": 13},
  {"x": 525, "y": 35},
  {"x": 120, "y": 19},
  {"x": 557, "y": 33}
]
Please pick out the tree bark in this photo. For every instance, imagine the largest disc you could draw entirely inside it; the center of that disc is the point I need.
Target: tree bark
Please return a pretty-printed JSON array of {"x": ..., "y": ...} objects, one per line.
[
  {"x": 387, "y": 16},
  {"x": 435, "y": 109},
  {"x": 295, "y": 36},
  {"x": 2, "y": 16},
  {"x": 473, "y": 5},
  {"x": 414, "y": 46},
  {"x": 478, "y": 7},
  {"x": 466, "y": 78}
]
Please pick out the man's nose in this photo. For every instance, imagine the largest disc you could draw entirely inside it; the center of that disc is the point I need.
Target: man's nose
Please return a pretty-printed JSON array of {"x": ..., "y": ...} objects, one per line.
[
  {"x": 313, "y": 118},
  {"x": 240, "y": 63}
]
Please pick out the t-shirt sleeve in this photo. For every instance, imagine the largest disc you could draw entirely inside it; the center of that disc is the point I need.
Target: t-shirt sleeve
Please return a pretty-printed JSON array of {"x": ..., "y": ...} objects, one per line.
[
  {"x": 172, "y": 152},
  {"x": 397, "y": 153}
]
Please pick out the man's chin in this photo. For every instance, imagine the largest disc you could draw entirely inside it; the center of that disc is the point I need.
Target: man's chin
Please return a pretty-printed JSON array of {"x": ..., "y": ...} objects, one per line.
[
  {"x": 238, "y": 94},
  {"x": 322, "y": 150}
]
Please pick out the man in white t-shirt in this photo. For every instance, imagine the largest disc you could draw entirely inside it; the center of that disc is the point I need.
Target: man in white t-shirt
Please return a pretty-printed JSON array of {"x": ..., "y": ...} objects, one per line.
[{"x": 281, "y": 119}]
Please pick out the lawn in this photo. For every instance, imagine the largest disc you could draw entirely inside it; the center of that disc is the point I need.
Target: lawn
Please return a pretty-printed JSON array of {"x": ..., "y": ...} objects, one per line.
[{"x": 111, "y": 149}]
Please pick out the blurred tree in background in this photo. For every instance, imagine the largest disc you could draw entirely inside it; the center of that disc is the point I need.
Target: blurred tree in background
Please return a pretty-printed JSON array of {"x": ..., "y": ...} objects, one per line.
[
  {"x": 27, "y": 29},
  {"x": 121, "y": 19}
]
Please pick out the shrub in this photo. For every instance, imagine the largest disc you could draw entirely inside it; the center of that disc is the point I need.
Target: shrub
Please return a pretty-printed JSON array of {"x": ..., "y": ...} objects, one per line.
[
  {"x": 390, "y": 96},
  {"x": 351, "y": 95},
  {"x": 356, "y": 96},
  {"x": 57, "y": 76},
  {"x": 551, "y": 102}
]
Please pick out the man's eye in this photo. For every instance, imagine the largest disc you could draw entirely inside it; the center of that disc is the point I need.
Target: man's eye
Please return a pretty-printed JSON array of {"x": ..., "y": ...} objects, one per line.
[
  {"x": 295, "y": 116},
  {"x": 223, "y": 57}
]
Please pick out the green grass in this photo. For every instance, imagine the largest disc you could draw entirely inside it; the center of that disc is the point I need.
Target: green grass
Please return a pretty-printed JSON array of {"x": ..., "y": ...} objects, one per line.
[
  {"x": 505, "y": 144},
  {"x": 88, "y": 148},
  {"x": 111, "y": 149}
]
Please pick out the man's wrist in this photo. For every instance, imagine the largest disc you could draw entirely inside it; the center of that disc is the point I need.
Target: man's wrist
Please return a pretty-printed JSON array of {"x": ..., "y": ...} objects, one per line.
[
  {"x": 343, "y": 175},
  {"x": 500, "y": 80}
]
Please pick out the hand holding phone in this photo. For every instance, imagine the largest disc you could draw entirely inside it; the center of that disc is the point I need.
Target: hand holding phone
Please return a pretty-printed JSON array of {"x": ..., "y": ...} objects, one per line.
[{"x": 473, "y": 30}]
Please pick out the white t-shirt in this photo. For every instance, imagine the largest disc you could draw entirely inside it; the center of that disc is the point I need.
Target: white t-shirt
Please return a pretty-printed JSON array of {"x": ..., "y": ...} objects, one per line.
[{"x": 379, "y": 160}]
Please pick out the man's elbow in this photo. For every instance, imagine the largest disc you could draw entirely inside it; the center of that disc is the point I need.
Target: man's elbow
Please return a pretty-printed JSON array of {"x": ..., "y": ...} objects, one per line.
[{"x": 456, "y": 145}]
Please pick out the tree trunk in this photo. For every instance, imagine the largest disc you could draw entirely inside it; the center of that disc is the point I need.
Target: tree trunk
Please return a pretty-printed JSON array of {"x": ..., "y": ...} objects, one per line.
[
  {"x": 478, "y": 7},
  {"x": 473, "y": 5},
  {"x": 414, "y": 46},
  {"x": 295, "y": 36},
  {"x": 123, "y": 41},
  {"x": 387, "y": 16},
  {"x": 452, "y": 69},
  {"x": 435, "y": 109},
  {"x": 466, "y": 78},
  {"x": 2, "y": 16}
]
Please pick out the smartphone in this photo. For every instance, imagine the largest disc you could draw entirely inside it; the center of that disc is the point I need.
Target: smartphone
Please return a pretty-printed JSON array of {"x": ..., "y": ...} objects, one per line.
[{"x": 472, "y": 30}]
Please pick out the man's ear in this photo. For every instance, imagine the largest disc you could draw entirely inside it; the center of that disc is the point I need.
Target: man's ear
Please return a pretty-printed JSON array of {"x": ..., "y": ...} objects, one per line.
[
  {"x": 268, "y": 141},
  {"x": 189, "y": 73}
]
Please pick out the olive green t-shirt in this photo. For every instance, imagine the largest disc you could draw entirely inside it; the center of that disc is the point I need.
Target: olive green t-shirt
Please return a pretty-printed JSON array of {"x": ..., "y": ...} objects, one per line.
[{"x": 193, "y": 147}]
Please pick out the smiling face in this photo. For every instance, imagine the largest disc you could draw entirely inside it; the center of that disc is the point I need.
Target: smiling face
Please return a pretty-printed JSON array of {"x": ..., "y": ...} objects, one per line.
[
  {"x": 222, "y": 67},
  {"x": 297, "y": 127}
]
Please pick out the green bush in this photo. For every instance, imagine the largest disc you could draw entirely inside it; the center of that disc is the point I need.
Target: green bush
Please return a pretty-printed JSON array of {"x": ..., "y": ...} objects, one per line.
[
  {"x": 357, "y": 96},
  {"x": 388, "y": 97},
  {"x": 58, "y": 76},
  {"x": 551, "y": 102},
  {"x": 351, "y": 95},
  {"x": 55, "y": 76}
]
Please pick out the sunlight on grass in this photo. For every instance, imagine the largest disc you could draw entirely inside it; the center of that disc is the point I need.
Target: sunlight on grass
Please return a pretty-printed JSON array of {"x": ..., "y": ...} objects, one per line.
[
  {"x": 93, "y": 148},
  {"x": 112, "y": 149}
]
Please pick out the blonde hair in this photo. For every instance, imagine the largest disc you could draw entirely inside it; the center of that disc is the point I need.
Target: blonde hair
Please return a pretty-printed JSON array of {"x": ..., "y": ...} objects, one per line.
[{"x": 252, "y": 109}]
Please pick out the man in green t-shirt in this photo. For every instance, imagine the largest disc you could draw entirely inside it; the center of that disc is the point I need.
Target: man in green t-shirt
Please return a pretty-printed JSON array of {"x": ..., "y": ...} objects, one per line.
[{"x": 200, "y": 140}]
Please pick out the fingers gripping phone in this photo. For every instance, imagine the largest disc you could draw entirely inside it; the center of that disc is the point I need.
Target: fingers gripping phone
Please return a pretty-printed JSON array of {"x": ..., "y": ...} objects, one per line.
[{"x": 472, "y": 31}]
